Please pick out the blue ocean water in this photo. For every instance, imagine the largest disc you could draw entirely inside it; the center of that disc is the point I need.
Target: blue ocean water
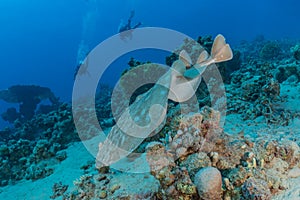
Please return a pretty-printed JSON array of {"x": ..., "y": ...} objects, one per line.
[{"x": 40, "y": 38}]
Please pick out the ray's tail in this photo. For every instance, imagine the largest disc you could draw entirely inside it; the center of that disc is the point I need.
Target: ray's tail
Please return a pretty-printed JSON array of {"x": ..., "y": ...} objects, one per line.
[{"x": 220, "y": 51}]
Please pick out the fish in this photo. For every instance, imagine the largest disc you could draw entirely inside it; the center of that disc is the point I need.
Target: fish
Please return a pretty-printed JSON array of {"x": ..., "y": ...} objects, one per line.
[{"x": 147, "y": 114}]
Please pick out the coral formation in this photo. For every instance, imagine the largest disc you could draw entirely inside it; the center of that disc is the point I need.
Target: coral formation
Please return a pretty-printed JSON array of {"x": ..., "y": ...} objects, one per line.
[
  {"x": 175, "y": 182},
  {"x": 270, "y": 50},
  {"x": 296, "y": 51},
  {"x": 58, "y": 190},
  {"x": 206, "y": 42},
  {"x": 176, "y": 175},
  {"x": 256, "y": 189},
  {"x": 239, "y": 161},
  {"x": 28, "y": 97},
  {"x": 27, "y": 151},
  {"x": 257, "y": 93},
  {"x": 10, "y": 115}
]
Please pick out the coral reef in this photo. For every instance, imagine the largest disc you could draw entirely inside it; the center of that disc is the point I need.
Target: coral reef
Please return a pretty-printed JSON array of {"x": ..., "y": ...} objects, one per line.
[
  {"x": 10, "y": 115},
  {"x": 296, "y": 51},
  {"x": 270, "y": 50},
  {"x": 103, "y": 106},
  {"x": 192, "y": 142},
  {"x": 32, "y": 147},
  {"x": 228, "y": 67},
  {"x": 286, "y": 71},
  {"x": 175, "y": 181},
  {"x": 256, "y": 189},
  {"x": 28, "y": 97},
  {"x": 58, "y": 190},
  {"x": 173, "y": 165},
  {"x": 245, "y": 168},
  {"x": 191, "y": 157},
  {"x": 206, "y": 42},
  {"x": 133, "y": 63},
  {"x": 255, "y": 88}
]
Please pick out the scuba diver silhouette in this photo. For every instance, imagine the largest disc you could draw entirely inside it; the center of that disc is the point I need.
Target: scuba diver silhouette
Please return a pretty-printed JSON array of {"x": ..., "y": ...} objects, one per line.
[{"x": 126, "y": 30}]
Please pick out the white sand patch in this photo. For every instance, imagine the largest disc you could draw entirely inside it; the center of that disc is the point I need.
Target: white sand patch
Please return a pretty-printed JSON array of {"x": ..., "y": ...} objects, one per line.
[
  {"x": 292, "y": 95},
  {"x": 66, "y": 172},
  {"x": 294, "y": 173},
  {"x": 69, "y": 170},
  {"x": 234, "y": 124},
  {"x": 292, "y": 193}
]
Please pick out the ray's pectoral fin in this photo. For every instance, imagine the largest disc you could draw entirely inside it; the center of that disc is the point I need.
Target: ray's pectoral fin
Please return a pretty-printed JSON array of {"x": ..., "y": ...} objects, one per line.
[
  {"x": 181, "y": 89},
  {"x": 185, "y": 58}
]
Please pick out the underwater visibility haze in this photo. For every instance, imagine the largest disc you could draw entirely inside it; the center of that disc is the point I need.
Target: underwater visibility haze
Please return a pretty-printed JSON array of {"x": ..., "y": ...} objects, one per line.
[{"x": 150, "y": 99}]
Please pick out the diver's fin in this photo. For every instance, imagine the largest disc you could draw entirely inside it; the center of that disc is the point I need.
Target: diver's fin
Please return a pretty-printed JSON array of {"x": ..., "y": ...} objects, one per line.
[
  {"x": 137, "y": 25},
  {"x": 221, "y": 51},
  {"x": 185, "y": 58},
  {"x": 202, "y": 57}
]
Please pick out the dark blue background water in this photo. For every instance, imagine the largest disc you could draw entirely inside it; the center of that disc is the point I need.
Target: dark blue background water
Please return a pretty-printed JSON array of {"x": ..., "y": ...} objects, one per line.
[{"x": 39, "y": 39}]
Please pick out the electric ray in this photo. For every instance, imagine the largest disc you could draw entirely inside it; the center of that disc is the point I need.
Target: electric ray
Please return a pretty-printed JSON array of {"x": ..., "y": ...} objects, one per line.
[{"x": 147, "y": 114}]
